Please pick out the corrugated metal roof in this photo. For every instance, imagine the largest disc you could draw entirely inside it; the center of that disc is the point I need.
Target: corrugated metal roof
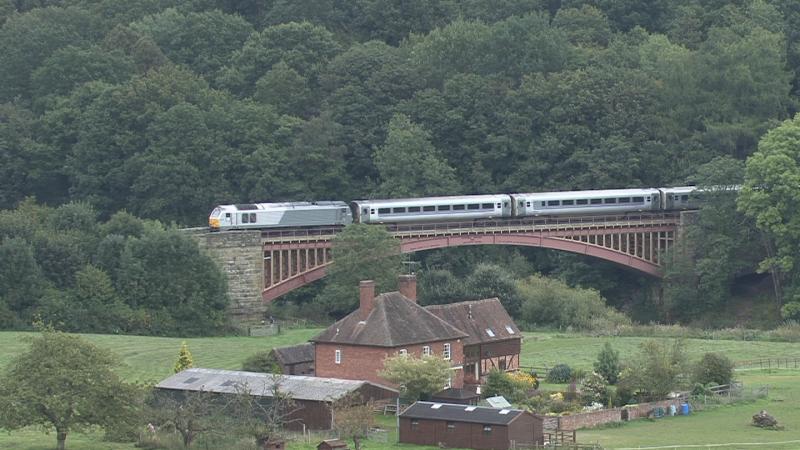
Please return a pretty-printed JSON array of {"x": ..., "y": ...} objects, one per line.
[
  {"x": 461, "y": 413},
  {"x": 261, "y": 384}
]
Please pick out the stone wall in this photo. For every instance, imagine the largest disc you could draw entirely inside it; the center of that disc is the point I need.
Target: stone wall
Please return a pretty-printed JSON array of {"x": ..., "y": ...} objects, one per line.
[{"x": 241, "y": 257}]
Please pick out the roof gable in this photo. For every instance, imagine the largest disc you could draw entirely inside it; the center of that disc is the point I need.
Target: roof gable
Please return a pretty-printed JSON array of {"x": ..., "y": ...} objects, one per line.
[
  {"x": 394, "y": 321},
  {"x": 294, "y": 354},
  {"x": 484, "y": 320}
]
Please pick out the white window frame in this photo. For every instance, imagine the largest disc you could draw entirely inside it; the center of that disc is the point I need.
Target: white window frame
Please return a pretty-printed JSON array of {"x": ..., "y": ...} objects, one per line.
[
  {"x": 403, "y": 352},
  {"x": 426, "y": 350},
  {"x": 337, "y": 356},
  {"x": 446, "y": 352}
]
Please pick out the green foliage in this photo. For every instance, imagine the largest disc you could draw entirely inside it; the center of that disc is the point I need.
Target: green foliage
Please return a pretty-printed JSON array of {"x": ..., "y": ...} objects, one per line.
[
  {"x": 791, "y": 311},
  {"x": 362, "y": 252},
  {"x": 607, "y": 364},
  {"x": 184, "y": 359},
  {"x": 552, "y": 302},
  {"x": 418, "y": 378},
  {"x": 594, "y": 389},
  {"x": 560, "y": 373},
  {"x": 63, "y": 383},
  {"x": 657, "y": 370},
  {"x": 261, "y": 362},
  {"x": 713, "y": 368},
  {"x": 498, "y": 383}
]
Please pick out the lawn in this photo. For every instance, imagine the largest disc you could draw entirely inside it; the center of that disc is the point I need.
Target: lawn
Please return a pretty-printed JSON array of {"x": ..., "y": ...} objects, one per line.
[{"x": 151, "y": 359}]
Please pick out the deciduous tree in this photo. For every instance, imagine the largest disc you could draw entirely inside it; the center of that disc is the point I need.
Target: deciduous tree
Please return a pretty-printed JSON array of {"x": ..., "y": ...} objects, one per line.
[{"x": 418, "y": 377}]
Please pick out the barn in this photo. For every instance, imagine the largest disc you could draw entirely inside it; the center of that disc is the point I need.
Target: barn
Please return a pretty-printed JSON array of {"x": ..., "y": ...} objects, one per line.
[
  {"x": 465, "y": 426},
  {"x": 312, "y": 395}
]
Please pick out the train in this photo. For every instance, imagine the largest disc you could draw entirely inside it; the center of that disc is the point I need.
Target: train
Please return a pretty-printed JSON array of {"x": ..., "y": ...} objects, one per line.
[{"x": 449, "y": 209}]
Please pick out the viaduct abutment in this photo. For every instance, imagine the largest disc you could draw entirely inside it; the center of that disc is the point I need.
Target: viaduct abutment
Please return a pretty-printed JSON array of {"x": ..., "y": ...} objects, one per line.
[{"x": 240, "y": 255}]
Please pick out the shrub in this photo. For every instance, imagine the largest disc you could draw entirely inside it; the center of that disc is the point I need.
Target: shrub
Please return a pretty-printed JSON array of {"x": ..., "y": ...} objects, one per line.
[
  {"x": 261, "y": 362},
  {"x": 594, "y": 389},
  {"x": 713, "y": 368},
  {"x": 607, "y": 364},
  {"x": 498, "y": 383},
  {"x": 560, "y": 373}
]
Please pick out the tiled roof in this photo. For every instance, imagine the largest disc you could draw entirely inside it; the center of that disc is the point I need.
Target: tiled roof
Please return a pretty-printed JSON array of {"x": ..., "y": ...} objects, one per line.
[
  {"x": 394, "y": 321},
  {"x": 261, "y": 384},
  {"x": 294, "y": 354},
  {"x": 461, "y": 413},
  {"x": 483, "y": 320}
]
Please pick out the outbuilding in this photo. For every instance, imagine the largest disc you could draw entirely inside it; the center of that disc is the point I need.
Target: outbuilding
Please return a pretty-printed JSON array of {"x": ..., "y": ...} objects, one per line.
[
  {"x": 462, "y": 426},
  {"x": 312, "y": 395}
]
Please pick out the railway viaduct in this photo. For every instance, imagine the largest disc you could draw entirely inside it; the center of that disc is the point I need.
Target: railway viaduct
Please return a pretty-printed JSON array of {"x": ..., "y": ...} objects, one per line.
[{"x": 262, "y": 266}]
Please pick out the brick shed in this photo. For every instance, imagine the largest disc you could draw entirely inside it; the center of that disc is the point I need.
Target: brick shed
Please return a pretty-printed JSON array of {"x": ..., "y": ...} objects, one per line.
[
  {"x": 451, "y": 425},
  {"x": 312, "y": 395}
]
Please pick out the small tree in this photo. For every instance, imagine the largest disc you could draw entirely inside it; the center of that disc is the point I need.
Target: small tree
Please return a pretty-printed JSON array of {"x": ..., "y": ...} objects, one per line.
[
  {"x": 417, "y": 377},
  {"x": 184, "y": 359},
  {"x": 191, "y": 413},
  {"x": 261, "y": 412},
  {"x": 656, "y": 370},
  {"x": 353, "y": 418},
  {"x": 713, "y": 368},
  {"x": 607, "y": 364},
  {"x": 65, "y": 383}
]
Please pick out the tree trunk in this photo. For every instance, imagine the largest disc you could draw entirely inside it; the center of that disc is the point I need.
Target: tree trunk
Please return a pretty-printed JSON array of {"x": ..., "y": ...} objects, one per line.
[
  {"x": 61, "y": 438},
  {"x": 357, "y": 442}
]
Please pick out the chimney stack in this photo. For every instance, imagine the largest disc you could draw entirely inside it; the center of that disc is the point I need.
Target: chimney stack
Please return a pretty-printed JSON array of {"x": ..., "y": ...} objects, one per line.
[
  {"x": 366, "y": 298},
  {"x": 408, "y": 287}
]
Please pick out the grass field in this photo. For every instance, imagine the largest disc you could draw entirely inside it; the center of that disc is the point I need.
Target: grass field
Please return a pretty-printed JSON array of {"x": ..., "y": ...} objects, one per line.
[{"x": 151, "y": 359}]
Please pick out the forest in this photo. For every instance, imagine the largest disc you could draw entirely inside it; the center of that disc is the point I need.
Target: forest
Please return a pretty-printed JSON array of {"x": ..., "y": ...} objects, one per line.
[{"x": 155, "y": 111}]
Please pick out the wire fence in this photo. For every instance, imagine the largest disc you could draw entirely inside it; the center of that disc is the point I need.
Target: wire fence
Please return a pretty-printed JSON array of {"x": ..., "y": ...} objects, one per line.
[{"x": 768, "y": 363}]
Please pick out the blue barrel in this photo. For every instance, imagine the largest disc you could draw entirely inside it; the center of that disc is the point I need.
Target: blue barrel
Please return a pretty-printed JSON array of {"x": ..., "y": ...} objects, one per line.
[{"x": 684, "y": 409}]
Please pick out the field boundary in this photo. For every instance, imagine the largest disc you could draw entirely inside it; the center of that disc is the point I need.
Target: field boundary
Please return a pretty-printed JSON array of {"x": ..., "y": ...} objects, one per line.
[{"x": 796, "y": 441}]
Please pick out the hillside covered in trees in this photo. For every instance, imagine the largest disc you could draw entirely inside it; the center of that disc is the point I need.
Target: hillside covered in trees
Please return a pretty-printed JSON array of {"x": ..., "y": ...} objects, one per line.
[{"x": 166, "y": 108}]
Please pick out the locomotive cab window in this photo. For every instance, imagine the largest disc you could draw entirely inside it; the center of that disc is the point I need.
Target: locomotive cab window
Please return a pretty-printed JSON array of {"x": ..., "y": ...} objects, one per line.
[
  {"x": 473, "y": 206},
  {"x": 245, "y": 218},
  {"x": 582, "y": 201},
  {"x": 444, "y": 207},
  {"x": 567, "y": 202},
  {"x": 458, "y": 207},
  {"x": 609, "y": 200},
  {"x": 383, "y": 210},
  {"x": 596, "y": 201},
  {"x": 685, "y": 198},
  {"x": 398, "y": 210},
  {"x": 429, "y": 208},
  {"x": 252, "y": 217},
  {"x": 624, "y": 199},
  {"x": 413, "y": 209}
]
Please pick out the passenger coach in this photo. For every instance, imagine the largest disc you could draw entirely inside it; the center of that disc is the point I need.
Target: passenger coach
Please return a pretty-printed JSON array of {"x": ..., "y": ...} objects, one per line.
[{"x": 431, "y": 209}]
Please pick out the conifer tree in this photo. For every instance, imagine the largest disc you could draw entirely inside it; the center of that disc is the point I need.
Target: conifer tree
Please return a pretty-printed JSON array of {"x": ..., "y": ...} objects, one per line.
[{"x": 184, "y": 359}]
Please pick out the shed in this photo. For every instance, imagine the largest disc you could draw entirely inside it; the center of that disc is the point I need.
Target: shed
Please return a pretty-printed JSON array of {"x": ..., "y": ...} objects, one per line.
[
  {"x": 332, "y": 444},
  {"x": 312, "y": 395},
  {"x": 464, "y": 396},
  {"x": 295, "y": 359},
  {"x": 460, "y": 426}
]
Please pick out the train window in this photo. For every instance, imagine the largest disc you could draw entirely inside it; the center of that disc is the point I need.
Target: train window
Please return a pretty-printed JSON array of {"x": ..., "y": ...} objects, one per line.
[
  {"x": 553, "y": 202},
  {"x": 582, "y": 201},
  {"x": 596, "y": 201},
  {"x": 383, "y": 210},
  {"x": 252, "y": 217},
  {"x": 458, "y": 207},
  {"x": 609, "y": 200},
  {"x": 624, "y": 199},
  {"x": 366, "y": 210},
  {"x": 398, "y": 210},
  {"x": 544, "y": 203},
  {"x": 372, "y": 211},
  {"x": 638, "y": 199},
  {"x": 676, "y": 197},
  {"x": 521, "y": 204},
  {"x": 227, "y": 215},
  {"x": 473, "y": 206},
  {"x": 685, "y": 198},
  {"x": 413, "y": 209},
  {"x": 444, "y": 207},
  {"x": 498, "y": 205},
  {"x": 487, "y": 206},
  {"x": 245, "y": 218},
  {"x": 568, "y": 202},
  {"x": 429, "y": 208}
]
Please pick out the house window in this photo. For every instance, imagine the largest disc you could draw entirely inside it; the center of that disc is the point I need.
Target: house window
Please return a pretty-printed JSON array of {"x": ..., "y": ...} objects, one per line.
[
  {"x": 338, "y": 357},
  {"x": 414, "y": 424},
  {"x": 446, "y": 352},
  {"x": 426, "y": 350},
  {"x": 449, "y": 383},
  {"x": 487, "y": 429},
  {"x": 451, "y": 427},
  {"x": 403, "y": 351}
]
